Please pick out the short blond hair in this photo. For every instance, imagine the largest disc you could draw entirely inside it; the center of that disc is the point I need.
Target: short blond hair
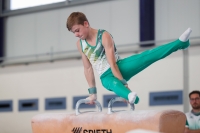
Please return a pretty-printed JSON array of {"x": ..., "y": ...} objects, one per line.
[{"x": 75, "y": 18}]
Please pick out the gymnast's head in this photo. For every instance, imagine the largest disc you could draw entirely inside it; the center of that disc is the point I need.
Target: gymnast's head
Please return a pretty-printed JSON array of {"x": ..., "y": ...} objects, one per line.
[{"x": 78, "y": 23}]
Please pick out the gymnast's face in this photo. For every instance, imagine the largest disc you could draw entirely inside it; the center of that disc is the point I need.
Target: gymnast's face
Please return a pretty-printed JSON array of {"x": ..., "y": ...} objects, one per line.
[
  {"x": 81, "y": 31},
  {"x": 195, "y": 101}
]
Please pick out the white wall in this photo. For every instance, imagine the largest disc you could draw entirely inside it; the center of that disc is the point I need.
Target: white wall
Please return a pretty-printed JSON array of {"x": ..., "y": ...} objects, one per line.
[
  {"x": 173, "y": 17},
  {"x": 38, "y": 32}
]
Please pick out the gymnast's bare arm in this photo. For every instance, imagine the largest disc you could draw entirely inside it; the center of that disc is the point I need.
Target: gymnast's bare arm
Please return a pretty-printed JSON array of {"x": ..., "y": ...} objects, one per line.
[
  {"x": 108, "y": 44},
  {"x": 88, "y": 70},
  {"x": 89, "y": 74}
]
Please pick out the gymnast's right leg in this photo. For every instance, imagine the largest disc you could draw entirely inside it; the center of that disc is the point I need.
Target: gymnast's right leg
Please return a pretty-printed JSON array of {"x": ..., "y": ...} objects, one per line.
[{"x": 111, "y": 83}]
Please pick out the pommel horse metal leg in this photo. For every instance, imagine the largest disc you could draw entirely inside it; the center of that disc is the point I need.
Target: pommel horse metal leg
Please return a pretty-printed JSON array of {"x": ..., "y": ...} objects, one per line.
[
  {"x": 86, "y": 101},
  {"x": 117, "y": 99}
]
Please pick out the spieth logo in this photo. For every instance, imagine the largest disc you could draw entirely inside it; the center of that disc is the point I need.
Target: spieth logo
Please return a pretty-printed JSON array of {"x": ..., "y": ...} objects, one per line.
[{"x": 79, "y": 129}]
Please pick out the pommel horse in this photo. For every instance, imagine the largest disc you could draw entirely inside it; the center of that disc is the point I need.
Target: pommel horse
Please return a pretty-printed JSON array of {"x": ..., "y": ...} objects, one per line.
[{"x": 165, "y": 121}]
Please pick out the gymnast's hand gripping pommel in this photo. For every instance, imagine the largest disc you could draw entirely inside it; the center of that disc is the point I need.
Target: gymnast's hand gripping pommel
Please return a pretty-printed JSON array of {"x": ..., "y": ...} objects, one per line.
[
  {"x": 93, "y": 95},
  {"x": 92, "y": 99}
]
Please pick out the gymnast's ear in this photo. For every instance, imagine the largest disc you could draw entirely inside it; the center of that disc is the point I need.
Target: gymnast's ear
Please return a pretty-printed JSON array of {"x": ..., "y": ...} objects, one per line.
[{"x": 86, "y": 24}]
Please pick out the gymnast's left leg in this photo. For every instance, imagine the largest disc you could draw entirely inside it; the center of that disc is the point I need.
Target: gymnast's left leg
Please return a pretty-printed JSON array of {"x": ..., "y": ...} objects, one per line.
[{"x": 134, "y": 64}]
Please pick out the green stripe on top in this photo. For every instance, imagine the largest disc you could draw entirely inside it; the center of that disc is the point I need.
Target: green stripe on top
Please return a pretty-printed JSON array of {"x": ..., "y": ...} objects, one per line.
[{"x": 89, "y": 50}]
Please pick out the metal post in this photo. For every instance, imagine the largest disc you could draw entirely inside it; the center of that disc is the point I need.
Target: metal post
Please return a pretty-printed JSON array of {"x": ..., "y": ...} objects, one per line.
[{"x": 185, "y": 80}]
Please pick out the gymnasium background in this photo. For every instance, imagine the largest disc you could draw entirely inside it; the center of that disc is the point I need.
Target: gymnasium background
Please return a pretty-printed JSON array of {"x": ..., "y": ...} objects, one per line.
[{"x": 40, "y": 63}]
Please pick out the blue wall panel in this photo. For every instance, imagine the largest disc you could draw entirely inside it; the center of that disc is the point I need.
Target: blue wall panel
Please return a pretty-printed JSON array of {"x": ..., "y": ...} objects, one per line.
[
  {"x": 6, "y": 106},
  {"x": 55, "y": 103},
  {"x": 28, "y": 105},
  {"x": 166, "y": 98}
]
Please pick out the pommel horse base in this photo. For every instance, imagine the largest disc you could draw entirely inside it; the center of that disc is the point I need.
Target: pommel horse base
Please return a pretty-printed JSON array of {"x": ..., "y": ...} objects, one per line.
[{"x": 166, "y": 121}]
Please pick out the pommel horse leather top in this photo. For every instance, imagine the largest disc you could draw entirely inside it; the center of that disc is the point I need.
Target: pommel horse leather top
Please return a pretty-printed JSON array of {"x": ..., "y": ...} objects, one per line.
[{"x": 166, "y": 121}]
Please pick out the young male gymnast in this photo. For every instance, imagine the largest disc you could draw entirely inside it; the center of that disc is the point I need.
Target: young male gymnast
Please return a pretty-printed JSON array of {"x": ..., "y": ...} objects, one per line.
[{"x": 98, "y": 51}]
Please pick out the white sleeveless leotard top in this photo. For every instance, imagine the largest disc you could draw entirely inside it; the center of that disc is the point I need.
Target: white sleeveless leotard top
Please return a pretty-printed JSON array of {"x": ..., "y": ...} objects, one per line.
[{"x": 96, "y": 54}]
